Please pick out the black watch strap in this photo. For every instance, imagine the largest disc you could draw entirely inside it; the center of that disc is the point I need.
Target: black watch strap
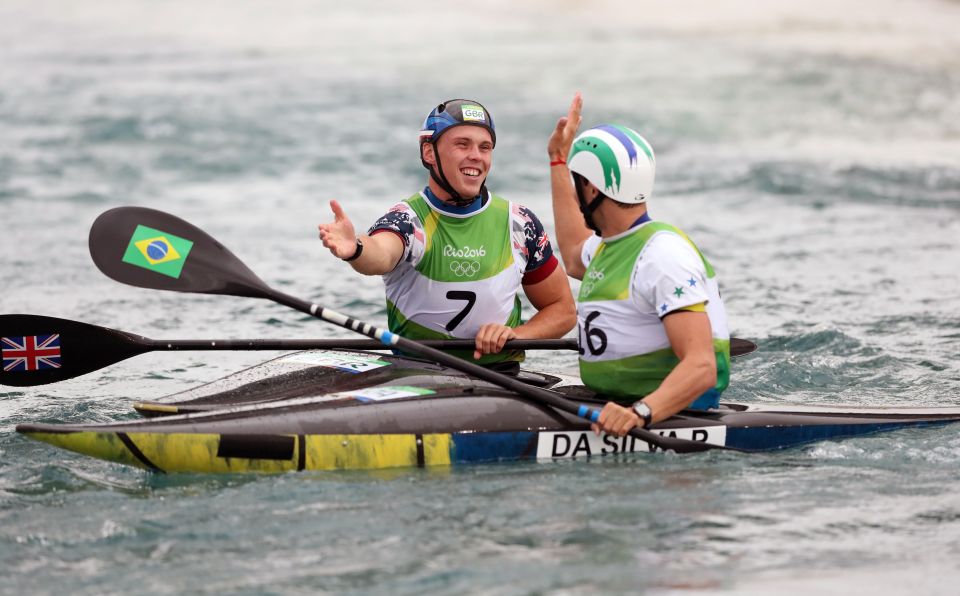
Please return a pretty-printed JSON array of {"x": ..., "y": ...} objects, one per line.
[
  {"x": 644, "y": 412},
  {"x": 357, "y": 254}
]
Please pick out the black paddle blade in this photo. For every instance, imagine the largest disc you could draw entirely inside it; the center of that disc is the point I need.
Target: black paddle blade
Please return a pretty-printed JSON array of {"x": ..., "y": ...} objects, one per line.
[
  {"x": 741, "y": 347},
  {"x": 152, "y": 249},
  {"x": 39, "y": 350}
]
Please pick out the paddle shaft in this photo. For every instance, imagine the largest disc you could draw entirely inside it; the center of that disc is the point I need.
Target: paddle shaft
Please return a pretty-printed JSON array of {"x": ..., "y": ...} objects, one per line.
[
  {"x": 738, "y": 347},
  {"x": 341, "y": 344},
  {"x": 544, "y": 396}
]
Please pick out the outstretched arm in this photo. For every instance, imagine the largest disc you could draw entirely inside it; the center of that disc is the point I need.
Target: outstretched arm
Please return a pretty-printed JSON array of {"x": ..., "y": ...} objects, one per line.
[
  {"x": 570, "y": 228},
  {"x": 380, "y": 252}
]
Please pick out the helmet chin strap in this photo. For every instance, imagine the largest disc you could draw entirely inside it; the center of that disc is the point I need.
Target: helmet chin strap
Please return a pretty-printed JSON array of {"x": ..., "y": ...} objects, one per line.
[
  {"x": 585, "y": 209},
  {"x": 441, "y": 179}
]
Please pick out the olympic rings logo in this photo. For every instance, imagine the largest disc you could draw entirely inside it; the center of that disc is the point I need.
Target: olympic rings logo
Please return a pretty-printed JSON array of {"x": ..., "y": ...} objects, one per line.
[
  {"x": 590, "y": 281},
  {"x": 596, "y": 275},
  {"x": 464, "y": 268}
]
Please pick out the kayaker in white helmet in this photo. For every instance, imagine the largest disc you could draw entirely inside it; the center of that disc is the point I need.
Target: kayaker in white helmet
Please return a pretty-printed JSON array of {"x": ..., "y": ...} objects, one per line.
[
  {"x": 653, "y": 330},
  {"x": 454, "y": 256}
]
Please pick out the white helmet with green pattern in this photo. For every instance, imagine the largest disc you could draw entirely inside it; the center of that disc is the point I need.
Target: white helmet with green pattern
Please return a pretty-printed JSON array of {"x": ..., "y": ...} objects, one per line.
[{"x": 615, "y": 159}]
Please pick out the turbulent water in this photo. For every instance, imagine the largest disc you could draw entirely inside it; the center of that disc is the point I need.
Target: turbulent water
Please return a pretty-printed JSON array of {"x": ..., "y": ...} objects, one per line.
[{"x": 811, "y": 149}]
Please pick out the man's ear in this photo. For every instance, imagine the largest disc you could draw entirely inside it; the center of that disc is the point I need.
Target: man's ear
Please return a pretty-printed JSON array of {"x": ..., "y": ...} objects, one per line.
[
  {"x": 591, "y": 190},
  {"x": 427, "y": 154}
]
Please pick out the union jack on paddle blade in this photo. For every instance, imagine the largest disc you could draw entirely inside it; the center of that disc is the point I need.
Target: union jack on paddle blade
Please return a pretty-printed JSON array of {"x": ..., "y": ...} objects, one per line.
[{"x": 30, "y": 352}]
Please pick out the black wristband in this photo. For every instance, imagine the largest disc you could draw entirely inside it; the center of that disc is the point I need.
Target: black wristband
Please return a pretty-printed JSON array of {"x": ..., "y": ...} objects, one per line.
[{"x": 357, "y": 254}]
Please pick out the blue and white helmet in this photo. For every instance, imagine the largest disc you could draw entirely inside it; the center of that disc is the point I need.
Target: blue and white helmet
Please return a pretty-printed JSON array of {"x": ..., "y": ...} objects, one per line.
[
  {"x": 455, "y": 112},
  {"x": 615, "y": 159}
]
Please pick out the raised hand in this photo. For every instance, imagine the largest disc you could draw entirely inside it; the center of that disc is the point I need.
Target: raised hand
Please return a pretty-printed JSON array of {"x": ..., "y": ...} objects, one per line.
[{"x": 558, "y": 147}]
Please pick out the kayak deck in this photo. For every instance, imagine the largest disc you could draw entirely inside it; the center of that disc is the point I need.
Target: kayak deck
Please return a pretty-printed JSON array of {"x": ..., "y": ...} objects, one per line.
[{"x": 313, "y": 373}]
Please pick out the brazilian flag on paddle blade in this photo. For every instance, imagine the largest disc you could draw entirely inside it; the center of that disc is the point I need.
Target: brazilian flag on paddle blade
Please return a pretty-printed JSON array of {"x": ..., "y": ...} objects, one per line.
[{"x": 157, "y": 251}]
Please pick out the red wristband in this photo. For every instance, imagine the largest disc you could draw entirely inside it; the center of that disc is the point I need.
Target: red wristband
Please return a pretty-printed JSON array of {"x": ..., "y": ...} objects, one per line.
[{"x": 559, "y": 162}]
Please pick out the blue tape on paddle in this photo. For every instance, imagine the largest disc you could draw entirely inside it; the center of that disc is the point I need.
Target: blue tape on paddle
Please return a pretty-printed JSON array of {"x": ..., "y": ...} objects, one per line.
[
  {"x": 387, "y": 338},
  {"x": 588, "y": 413}
]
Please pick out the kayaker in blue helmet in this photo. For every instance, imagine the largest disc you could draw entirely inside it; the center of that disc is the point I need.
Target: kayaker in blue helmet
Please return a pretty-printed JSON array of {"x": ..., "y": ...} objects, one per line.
[
  {"x": 454, "y": 256},
  {"x": 652, "y": 327}
]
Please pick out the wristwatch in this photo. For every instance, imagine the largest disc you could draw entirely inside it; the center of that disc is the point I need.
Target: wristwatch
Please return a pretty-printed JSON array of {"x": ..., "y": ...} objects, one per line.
[
  {"x": 644, "y": 412},
  {"x": 357, "y": 254}
]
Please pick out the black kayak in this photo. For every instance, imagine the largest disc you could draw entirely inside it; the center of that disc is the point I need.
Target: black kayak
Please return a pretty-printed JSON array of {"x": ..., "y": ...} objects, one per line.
[{"x": 334, "y": 410}]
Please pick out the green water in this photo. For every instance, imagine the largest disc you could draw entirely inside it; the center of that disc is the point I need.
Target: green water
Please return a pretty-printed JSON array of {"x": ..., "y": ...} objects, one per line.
[{"x": 812, "y": 152}]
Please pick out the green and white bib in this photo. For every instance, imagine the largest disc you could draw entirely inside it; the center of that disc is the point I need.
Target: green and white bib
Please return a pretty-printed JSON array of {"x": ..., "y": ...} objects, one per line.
[
  {"x": 632, "y": 280},
  {"x": 465, "y": 272}
]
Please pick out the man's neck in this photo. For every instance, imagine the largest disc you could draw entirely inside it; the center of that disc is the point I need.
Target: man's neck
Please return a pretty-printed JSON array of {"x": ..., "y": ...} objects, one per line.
[
  {"x": 616, "y": 219},
  {"x": 450, "y": 208},
  {"x": 440, "y": 193}
]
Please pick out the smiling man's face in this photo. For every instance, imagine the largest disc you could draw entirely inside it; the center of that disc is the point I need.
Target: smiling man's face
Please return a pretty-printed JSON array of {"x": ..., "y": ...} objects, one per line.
[{"x": 466, "y": 156}]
